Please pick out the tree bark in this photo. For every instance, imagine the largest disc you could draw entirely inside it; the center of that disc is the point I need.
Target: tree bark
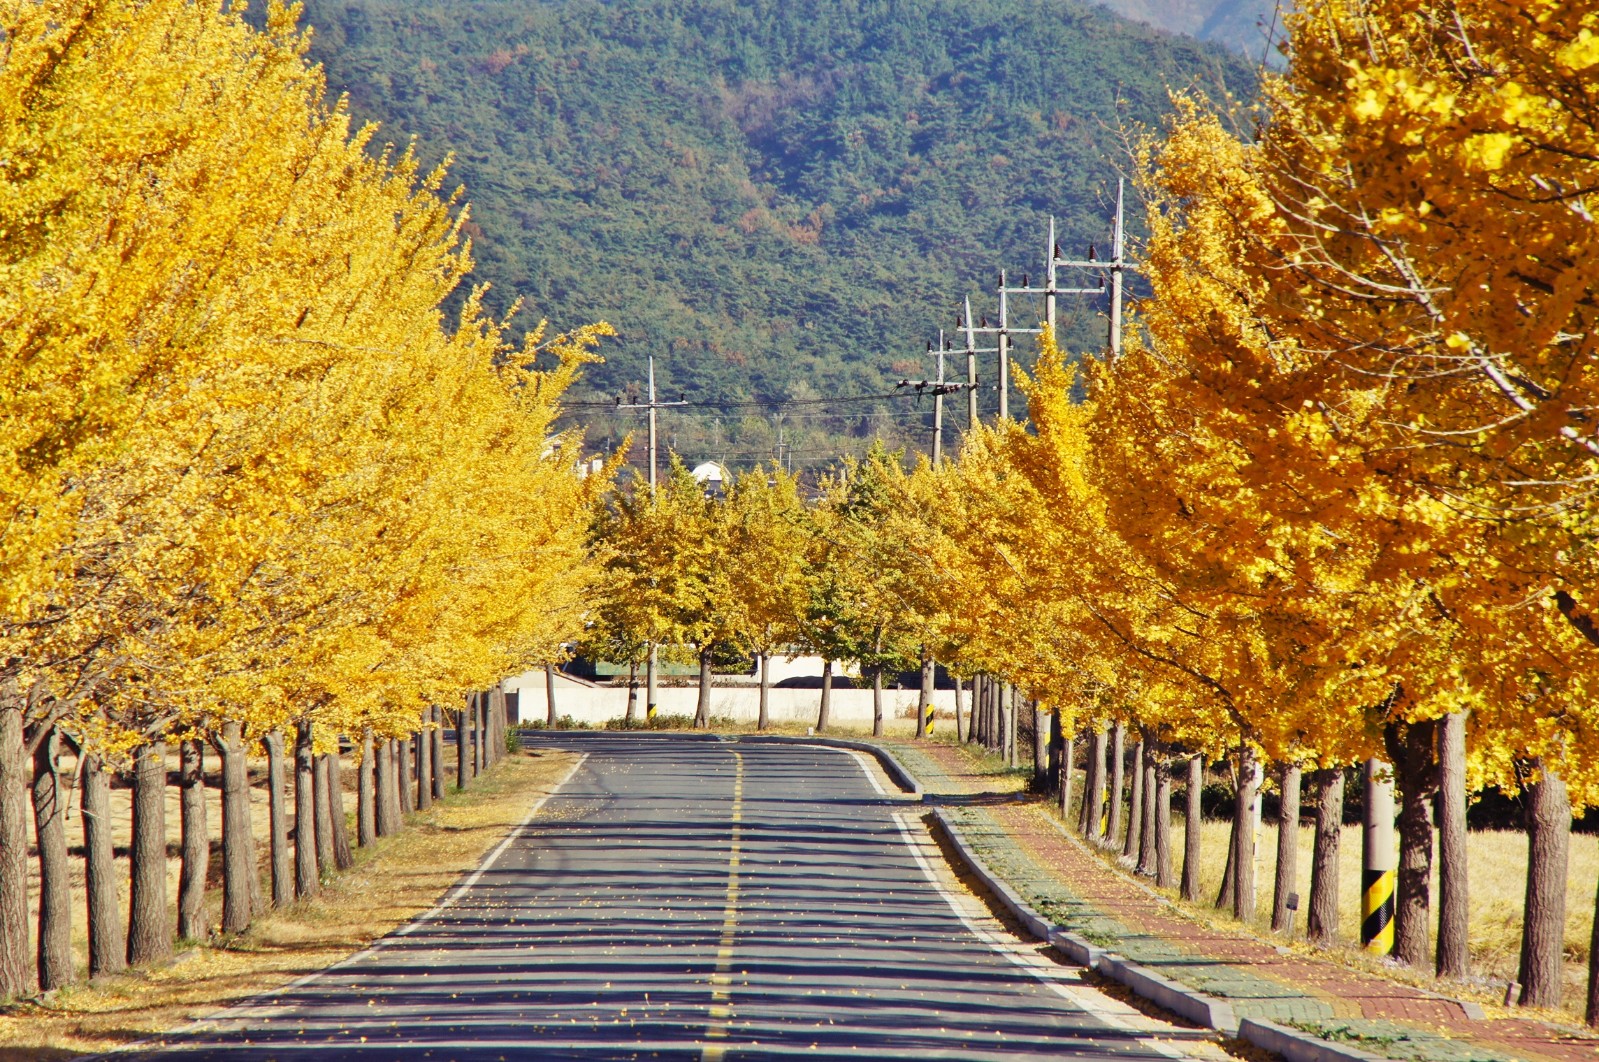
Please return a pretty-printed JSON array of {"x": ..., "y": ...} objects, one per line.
[
  {"x": 1248, "y": 788},
  {"x": 959, "y": 731},
  {"x": 278, "y": 813},
  {"x": 17, "y": 966},
  {"x": 195, "y": 842},
  {"x": 1118, "y": 778},
  {"x": 149, "y": 931},
  {"x": 1453, "y": 957},
  {"x": 366, "y": 823},
  {"x": 549, "y": 696},
  {"x": 1287, "y": 849},
  {"x": 343, "y": 858},
  {"x": 424, "y": 770},
  {"x": 463, "y": 738},
  {"x": 763, "y": 717},
  {"x": 1135, "y": 822},
  {"x": 1192, "y": 811},
  {"x": 1068, "y": 754},
  {"x": 479, "y": 709},
  {"x": 438, "y": 779},
  {"x": 1088, "y": 777},
  {"x": 323, "y": 789},
  {"x": 1544, "y": 921},
  {"x": 402, "y": 774},
  {"x": 702, "y": 709},
  {"x": 824, "y": 710},
  {"x": 1164, "y": 875},
  {"x": 239, "y": 873},
  {"x": 1412, "y": 748},
  {"x": 1040, "y": 747},
  {"x": 382, "y": 809},
  {"x": 107, "y": 954},
  {"x": 1146, "y": 833},
  {"x": 1321, "y": 921},
  {"x": 307, "y": 880},
  {"x": 1591, "y": 1015},
  {"x": 55, "y": 889},
  {"x": 1095, "y": 792},
  {"x": 877, "y": 702},
  {"x": 632, "y": 695}
]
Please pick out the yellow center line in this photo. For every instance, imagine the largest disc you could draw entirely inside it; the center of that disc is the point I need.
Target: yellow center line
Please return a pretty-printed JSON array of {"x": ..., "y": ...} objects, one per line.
[{"x": 721, "y": 1010}]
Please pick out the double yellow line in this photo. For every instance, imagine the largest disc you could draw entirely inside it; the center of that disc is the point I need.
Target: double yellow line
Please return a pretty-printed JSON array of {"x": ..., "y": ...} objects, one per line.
[{"x": 722, "y": 977}]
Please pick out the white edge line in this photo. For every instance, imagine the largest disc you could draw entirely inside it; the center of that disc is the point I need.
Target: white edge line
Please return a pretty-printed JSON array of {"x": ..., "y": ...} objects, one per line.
[{"x": 251, "y": 1006}]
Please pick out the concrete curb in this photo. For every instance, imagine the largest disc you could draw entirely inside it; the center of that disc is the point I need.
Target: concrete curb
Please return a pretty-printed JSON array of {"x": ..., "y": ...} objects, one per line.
[
  {"x": 1296, "y": 1046},
  {"x": 1198, "y": 1007},
  {"x": 1036, "y": 923},
  {"x": 894, "y": 769}
]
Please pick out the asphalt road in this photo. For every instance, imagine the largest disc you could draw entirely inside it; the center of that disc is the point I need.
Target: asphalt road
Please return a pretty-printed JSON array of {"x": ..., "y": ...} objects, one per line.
[{"x": 683, "y": 897}]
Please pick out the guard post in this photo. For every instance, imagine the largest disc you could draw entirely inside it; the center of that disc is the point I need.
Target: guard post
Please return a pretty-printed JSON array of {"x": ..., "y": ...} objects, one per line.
[{"x": 1379, "y": 861}]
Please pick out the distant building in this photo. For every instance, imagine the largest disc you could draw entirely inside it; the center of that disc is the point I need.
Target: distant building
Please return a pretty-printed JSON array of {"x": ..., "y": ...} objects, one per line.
[{"x": 711, "y": 477}]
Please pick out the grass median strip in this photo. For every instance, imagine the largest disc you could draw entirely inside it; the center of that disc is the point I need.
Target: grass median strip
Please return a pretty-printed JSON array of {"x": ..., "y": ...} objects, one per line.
[{"x": 396, "y": 880}]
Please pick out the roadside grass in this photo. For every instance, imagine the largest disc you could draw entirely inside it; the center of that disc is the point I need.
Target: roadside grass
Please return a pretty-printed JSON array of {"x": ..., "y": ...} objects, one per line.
[
  {"x": 1497, "y": 888},
  {"x": 394, "y": 881}
]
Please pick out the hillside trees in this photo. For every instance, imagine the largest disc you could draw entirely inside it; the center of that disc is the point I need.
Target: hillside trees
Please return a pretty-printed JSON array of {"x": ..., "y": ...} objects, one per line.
[{"x": 255, "y": 481}]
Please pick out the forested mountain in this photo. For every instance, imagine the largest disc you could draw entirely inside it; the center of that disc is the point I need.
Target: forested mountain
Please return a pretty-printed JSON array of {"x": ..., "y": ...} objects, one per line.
[
  {"x": 1251, "y": 27},
  {"x": 780, "y": 199}
]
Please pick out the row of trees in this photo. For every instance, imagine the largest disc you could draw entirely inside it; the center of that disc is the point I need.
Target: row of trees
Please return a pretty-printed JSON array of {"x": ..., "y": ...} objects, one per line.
[
  {"x": 1333, "y": 505},
  {"x": 255, "y": 488}
]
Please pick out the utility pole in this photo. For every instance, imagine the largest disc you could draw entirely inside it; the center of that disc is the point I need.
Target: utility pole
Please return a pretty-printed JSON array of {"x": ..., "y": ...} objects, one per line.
[
  {"x": 939, "y": 388},
  {"x": 652, "y": 405},
  {"x": 1116, "y": 266},
  {"x": 1004, "y": 347},
  {"x": 971, "y": 364}
]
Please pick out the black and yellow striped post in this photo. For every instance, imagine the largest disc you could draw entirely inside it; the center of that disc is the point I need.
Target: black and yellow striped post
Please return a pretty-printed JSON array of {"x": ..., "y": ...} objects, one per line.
[
  {"x": 1379, "y": 861},
  {"x": 927, "y": 720}
]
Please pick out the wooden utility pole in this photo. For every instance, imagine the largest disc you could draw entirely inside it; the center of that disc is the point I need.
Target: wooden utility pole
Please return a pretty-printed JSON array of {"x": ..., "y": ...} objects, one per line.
[
  {"x": 939, "y": 388},
  {"x": 971, "y": 364},
  {"x": 1004, "y": 348}
]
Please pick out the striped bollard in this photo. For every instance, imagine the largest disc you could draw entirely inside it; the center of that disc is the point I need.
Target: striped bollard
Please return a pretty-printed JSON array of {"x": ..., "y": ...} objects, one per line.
[
  {"x": 1379, "y": 861},
  {"x": 927, "y": 720}
]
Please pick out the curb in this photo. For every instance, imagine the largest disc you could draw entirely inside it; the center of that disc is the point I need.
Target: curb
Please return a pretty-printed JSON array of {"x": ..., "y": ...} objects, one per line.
[
  {"x": 891, "y": 766},
  {"x": 1198, "y": 1007},
  {"x": 1036, "y": 923},
  {"x": 1296, "y": 1046}
]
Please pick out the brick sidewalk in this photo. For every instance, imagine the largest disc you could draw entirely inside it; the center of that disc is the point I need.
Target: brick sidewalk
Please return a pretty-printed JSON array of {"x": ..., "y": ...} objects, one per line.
[{"x": 1023, "y": 842}]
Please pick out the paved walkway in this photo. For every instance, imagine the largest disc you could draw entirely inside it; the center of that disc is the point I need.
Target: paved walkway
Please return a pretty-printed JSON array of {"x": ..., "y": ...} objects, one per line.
[{"x": 1024, "y": 842}]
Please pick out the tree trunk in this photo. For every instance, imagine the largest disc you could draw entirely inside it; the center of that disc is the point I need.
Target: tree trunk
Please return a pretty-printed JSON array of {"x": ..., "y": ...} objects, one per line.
[
  {"x": 1040, "y": 747},
  {"x": 479, "y": 738},
  {"x": 366, "y": 822},
  {"x": 1068, "y": 754},
  {"x": 632, "y": 694},
  {"x": 1544, "y": 922},
  {"x": 763, "y": 716},
  {"x": 149, "y": 931},
  {"x": 1164, "y": 876},
  {"x": 307, "y": 881},
  {"x": 1135, "y": 822},
  {"x": 382, "y": 808},
  {"x": 549, "y": 696},
  {"x": 825, "y": 711},
  {"x": 424, "y": 770},
  {"x": 55, "y": 889},
  {"x": 959, "y": 732},
  {"x": 17, "y": 966},
  {"x": 463, "y": 738},
  {"x": 1287, "y": 849},
  {"x": 323, "y": 789},
  {"x": 438, "y": 779},
  {"x": 1192, "y": 811},
  {"x": 702, "y": 709},
  {"x": 1321, "y": 921},
  {"x": 195, "y": 842},
  {"x": 1412, "y": 748},
  {"x": 1095, "y": 793},
  {"x": 924, "y": 701},
  {"x": 1226, "y": 896},
  {"x": 343, "y": 859},
  {"x": 1591, "y": 1015},
  {"x": 239, "y": 873},
  {"x": 877, "y": 702},
  {"x": 278, "y": 813},
  {"x": 1453, "y": 958},
  {"x": 107, "y": 954},
  {"x": 1057, "y": 751},
  {"x": 1088, "y": 777},
  {"x": 1146, "y": 833},
  {"x": 1248, "y": 789},
  {"x": 402, "y": 775},
  {"x": 1118, "y": 778}
]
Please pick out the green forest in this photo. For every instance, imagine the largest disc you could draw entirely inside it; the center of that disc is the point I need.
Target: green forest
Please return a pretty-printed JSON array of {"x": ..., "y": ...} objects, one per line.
[{"x": 782, "y": 201}]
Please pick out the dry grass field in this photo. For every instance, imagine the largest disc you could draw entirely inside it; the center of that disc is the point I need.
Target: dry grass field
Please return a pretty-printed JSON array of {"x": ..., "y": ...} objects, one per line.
[{"x": 393, "y": 882}]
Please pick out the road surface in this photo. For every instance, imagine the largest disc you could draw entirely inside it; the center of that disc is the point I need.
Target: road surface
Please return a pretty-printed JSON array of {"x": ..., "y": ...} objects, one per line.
[{"x": 686, "y": 897}]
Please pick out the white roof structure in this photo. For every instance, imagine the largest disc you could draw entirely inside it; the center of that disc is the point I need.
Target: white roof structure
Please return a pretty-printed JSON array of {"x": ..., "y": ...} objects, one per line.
[{"x": 709, "y": 472}]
